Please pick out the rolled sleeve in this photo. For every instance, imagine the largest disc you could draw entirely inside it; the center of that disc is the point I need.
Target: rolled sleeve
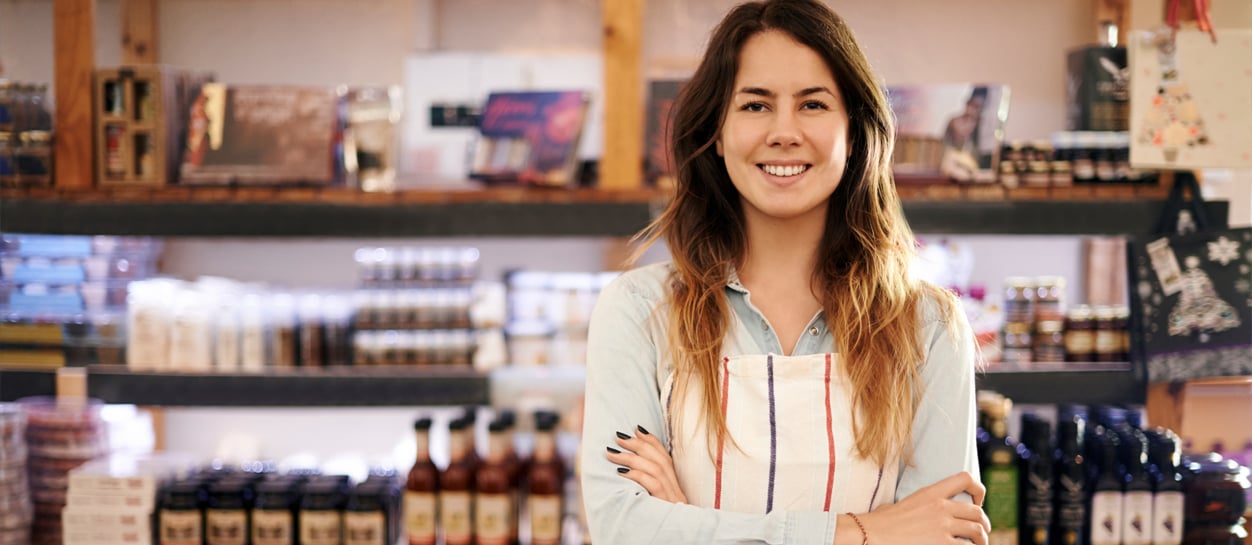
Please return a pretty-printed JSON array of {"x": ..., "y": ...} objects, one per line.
[{"x": 944, "y": 426}]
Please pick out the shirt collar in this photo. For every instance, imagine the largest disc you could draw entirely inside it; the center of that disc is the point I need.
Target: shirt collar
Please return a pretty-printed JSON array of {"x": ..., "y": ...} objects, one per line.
[{"x": 732, "y": 281}]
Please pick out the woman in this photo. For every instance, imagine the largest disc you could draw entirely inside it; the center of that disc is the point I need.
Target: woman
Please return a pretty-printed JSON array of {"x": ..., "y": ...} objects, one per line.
[{"x": 783, "y": 380}]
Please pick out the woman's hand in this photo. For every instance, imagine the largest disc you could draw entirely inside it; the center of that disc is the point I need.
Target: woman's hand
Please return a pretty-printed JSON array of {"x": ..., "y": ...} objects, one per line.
[
  {"x": 644, "y": 460},
  {"x": 930, "y": 515}
]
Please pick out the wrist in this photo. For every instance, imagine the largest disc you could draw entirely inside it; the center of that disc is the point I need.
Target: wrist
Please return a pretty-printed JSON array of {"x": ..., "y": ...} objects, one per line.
[{"x": 850, "y": 530}]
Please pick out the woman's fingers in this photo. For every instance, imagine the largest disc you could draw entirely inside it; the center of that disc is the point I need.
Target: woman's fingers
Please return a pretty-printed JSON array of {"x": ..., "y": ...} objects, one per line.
[
  {"x": 970, "y": 530},
  {"x": 648, "y": 463},
  {"x": 971, "y": 513},
  {"x": 956, "y": 484}
]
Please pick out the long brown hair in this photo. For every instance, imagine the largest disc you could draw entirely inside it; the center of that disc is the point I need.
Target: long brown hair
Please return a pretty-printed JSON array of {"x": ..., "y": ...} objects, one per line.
[{"x": 870, "y": 303}]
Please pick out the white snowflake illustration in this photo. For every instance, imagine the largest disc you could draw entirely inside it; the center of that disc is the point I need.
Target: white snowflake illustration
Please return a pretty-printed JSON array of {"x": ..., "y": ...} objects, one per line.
[
  {"x": 1241, "y": 285},
  {"x": 1223, "y": 250}
]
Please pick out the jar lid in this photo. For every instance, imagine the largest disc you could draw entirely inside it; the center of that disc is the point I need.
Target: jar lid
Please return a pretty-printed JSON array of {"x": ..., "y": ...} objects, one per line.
[
  {"x": 1017, "y": 328},
  {"x": 1050, "y": 281},
  {"x": 1079, "y": 312},
  {"x": 1212, "y": 465},
  {"x": 1018, "y": 282},
  {"x": 1050, "y": 326}
]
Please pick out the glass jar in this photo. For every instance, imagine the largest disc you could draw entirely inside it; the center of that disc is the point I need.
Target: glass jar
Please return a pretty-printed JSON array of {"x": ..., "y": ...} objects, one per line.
[
  {"x": 1121, "y": 323},
  {"x": 1079, "y": 334},
  {"x": 33, "y": 160},
  {"x": 1049, "y": 299},
  {"x": 1215, "y": 491},
  {"x": 1019, "y": 300},
  {"x": 1049, "y": 342},
  {"x": 1108, "y": 339},
  {"x": 1018, "y": 346}
]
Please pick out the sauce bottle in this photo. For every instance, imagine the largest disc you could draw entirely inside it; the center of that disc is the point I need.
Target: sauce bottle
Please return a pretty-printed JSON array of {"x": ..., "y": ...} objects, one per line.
[
  {"x": 456, "y": 486},
  {"x": 420, "y": 490},
  {"x": 180, "y": 518},
  {"x": 545, "y": 483},
  {"x": 493, "y": 502}
]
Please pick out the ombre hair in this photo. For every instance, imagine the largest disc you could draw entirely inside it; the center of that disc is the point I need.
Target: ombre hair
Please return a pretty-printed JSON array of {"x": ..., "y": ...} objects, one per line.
[{"x": 871, "y": 303}]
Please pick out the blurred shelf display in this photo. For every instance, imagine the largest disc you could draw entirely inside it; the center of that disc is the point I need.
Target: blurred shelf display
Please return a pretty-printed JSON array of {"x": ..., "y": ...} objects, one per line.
[{"x": 519, "y": 212}]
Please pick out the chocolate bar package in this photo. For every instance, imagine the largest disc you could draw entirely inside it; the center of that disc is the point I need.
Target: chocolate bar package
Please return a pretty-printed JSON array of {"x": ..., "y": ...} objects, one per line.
[
  {"x": 530, "y": 138},
  {"x": 263, "y": 135}
]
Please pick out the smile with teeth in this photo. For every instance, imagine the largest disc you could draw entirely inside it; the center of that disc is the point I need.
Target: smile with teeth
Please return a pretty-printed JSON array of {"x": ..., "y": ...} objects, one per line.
[{"x": 784, "y": 171}]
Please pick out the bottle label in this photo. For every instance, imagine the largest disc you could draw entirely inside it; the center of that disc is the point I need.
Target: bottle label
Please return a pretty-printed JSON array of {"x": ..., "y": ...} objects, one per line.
[
  {"x": 320, "y": 527},
  {"x": 1079, "y": 342},
  {"x": 252, "y": 347},
  {"x": 1002, "y": 497},
  {"x": 454, "y": 517},
  {"x": 1137, "y": 518},
  {"x": 272, "y": 527},
  {"x": 1106, "y": 518},
  {"x": 545, "y": 520},
  {"x": 226, "y": 527},
  {"x": 364, "y": 529},
  {"x": 491, "y": 518},
  {"x": 419, "y": 517},
  {"x": 1167, "y": 513},
  {"x": 180, "y": 527}
]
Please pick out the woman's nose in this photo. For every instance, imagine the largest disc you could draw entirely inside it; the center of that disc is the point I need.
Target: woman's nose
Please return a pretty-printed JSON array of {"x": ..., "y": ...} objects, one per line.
[{"x": 784, "y": 131}]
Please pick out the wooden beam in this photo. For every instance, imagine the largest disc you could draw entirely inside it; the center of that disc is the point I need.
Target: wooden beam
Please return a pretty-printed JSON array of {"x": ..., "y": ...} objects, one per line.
[
  {"x": 139, "y": 32},
  {"x": 1164, "y": 406},
  {"x": 621, "y": 167},
  {"x": 73, "y": 34},
  {"x": 1116, "y": 11}
]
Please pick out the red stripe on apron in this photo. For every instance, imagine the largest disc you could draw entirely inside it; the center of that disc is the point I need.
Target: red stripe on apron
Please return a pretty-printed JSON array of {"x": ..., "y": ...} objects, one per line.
[
  {"x": 721, "y": 441},
  {"x": 830, "y": 441}
]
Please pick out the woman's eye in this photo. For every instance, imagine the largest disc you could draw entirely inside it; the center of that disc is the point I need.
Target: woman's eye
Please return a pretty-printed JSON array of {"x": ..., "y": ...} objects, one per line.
[
  {"x": 753, "y": 107},
  {"x": 815, "y": 105}
]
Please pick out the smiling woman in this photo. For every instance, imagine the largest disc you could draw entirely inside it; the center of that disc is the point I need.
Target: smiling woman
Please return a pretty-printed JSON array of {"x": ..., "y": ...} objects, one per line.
[{"x": 785, "y": 379}]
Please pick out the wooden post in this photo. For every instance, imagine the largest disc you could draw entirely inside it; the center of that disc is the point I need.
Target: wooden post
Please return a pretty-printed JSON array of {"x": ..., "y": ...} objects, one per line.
[
  {"x": 74, "y": 23},
  {"x": 1164, "y": 405},
  {"x": 1116, "y": 11},
  {"x": 622, "y": 164},
  {"x": 139, "y": 32}
]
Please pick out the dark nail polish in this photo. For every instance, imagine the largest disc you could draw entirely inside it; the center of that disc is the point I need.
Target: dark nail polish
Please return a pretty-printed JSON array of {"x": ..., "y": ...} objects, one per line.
[
  {"x": 622, "y": 435},
  {"x": 613, "y": 450},
  {"x": 641, "y": 430},
  {"x": 623, "y": 469}
]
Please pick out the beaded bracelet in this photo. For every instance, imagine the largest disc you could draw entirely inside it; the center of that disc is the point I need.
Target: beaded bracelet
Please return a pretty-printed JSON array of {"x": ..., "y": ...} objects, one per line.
[{"x": 864, "y": 536}]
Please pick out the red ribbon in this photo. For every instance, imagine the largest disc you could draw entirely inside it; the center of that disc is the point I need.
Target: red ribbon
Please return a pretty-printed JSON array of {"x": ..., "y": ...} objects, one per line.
[{"x": 1202, "y": 18}]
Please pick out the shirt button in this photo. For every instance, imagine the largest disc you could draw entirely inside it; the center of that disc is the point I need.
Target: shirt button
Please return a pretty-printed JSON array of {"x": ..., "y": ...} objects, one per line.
[
  {"x": 813, "y": 331},
  {"x": 764, "y": 325}
]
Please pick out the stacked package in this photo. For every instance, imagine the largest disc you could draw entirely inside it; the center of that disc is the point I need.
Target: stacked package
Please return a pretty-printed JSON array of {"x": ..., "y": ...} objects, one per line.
[
  {"x": 60, "y": 437},
  {"x": 15, "y": 507}
]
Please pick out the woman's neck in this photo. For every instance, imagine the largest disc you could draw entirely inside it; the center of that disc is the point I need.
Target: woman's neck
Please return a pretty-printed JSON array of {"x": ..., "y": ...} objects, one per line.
[{"x": 782, "y": 250}]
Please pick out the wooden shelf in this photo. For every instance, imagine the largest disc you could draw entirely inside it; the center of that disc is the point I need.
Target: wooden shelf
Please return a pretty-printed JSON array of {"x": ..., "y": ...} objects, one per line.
[
  {"x": 522, "y": 212},
  {"x": 339, "y": 387},
  {"x": 348, "y": 386}
]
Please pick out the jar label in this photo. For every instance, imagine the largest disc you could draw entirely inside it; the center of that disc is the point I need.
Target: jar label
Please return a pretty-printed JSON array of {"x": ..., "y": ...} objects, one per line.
[
  {"x": 1137, "y": 518},
  {"x": 1167, "y": 514},
  {"x": 271, "y": 527},
  {"x": 364, "y": 528},
  {"x": 226, "y": 527},
  {"x": 1106, "y": 518},
  {"x": 454, "y": 517},
  {"x": 1079, "y": 342},
  {"x": 545, "y": 520},
  {"x": 491, "y": 519},
  {"x": 419, "y": 517},
  {"x": 320, "y": 527},
  {"x": 180, "y": 527}
]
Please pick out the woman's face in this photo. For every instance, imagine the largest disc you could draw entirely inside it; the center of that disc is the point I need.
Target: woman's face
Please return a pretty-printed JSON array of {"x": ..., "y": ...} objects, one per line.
[{"x": 785, "y": 139}]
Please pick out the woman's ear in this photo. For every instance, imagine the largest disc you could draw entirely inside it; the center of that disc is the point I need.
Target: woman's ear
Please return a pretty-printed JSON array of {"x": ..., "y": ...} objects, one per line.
[{"x": 718, "y": 145}]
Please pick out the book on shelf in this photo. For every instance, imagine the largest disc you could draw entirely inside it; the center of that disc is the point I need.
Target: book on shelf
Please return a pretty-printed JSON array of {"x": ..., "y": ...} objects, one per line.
[
  {"x": 530, "y": 138},
  {"x": 658, "y": 164}
]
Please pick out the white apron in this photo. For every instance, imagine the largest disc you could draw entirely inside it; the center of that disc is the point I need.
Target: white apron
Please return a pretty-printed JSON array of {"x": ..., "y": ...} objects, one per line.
[{"x": 791, "y": 419}]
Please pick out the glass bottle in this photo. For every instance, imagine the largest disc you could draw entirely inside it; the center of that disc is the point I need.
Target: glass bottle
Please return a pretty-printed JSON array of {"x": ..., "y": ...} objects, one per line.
[
  {"x": 1071, "y": 479},
  {"x": 1107, "y": 497},
  {"x": 1001, "y": 475},
  {"x": 180, "y": 518},
  {"x": 1036, "y": 484},
  {"x": 456, "y": 485},
  {"x": 546, "y": 483},
  {"x": 493, "y": 504},
  {"x": 1137, "y": 492},
  {"x": 1168, "y": 497},
  {"x": 420, "y": 490}
]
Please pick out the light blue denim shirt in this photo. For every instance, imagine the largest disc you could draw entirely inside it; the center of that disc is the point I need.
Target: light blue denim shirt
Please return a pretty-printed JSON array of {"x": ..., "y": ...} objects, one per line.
[{"x": 627, "y": 341}]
